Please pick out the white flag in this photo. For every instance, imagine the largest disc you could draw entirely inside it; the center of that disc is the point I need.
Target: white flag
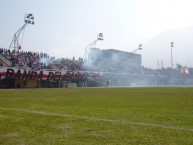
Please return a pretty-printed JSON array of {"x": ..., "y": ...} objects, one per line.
[{"x": 186, "y": 70}]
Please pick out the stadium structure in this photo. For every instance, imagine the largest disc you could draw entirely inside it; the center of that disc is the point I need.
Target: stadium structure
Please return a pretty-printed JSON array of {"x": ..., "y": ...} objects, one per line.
[
  {"x": 102, "y": 68},
  {"x": 120, "y": 68},
  {"x": 114, "y": 56},
  {"x": 98, "y": 68}
]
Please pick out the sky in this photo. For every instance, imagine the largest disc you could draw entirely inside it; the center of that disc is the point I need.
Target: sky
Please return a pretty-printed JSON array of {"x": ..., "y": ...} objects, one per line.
[{"x": 63, "y": 28}]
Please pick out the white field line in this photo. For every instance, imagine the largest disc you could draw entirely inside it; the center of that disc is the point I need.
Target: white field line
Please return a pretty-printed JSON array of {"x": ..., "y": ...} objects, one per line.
[{"x": 98, "y": 119}]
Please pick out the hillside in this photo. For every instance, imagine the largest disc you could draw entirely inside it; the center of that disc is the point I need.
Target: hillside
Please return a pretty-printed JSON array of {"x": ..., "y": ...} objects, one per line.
[{"x": 159, "y": 48}]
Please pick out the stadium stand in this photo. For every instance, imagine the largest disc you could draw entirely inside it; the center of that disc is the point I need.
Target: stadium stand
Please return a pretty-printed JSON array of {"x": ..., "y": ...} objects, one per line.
[{"x": 95, "y": 73}]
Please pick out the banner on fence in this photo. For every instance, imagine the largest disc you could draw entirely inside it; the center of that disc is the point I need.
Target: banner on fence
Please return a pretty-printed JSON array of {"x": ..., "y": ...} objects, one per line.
[{"x": 46, "y": 74}]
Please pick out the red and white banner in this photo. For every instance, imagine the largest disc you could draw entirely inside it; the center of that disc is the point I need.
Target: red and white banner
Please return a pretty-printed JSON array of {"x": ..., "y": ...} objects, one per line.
[{"x": 46, "y": 74}]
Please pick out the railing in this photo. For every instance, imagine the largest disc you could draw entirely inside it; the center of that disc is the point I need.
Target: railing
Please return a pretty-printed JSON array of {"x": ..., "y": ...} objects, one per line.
[{"x": 7, "y": 62}]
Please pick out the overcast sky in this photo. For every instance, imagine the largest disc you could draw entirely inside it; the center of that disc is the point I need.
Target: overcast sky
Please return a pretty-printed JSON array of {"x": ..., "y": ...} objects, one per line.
[{"x": 64, "y": 27}]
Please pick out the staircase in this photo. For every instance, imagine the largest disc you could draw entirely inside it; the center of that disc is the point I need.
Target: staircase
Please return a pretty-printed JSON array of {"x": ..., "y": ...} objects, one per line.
[{"x": 6, "y": 62}]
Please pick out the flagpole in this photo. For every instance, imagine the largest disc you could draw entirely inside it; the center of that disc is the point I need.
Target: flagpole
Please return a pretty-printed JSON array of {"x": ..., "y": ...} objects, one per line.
[
  {"x": 172, "y": 45},
  {"x": 172, "y": 77}
]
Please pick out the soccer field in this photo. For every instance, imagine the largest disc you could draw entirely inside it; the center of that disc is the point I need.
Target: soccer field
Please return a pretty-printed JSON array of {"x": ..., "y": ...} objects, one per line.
[{"x": 97, "y": 116}]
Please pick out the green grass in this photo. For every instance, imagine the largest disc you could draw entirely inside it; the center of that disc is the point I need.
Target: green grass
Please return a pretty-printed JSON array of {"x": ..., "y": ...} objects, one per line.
[{"x": 97, "y": 116}]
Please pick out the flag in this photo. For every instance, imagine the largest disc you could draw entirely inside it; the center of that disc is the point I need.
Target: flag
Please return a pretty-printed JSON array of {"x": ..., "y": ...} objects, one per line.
[
  {"x": 178, "y": 66},
  {"x": 182, "y": 70},
  {"x": 186, "y": 70}
]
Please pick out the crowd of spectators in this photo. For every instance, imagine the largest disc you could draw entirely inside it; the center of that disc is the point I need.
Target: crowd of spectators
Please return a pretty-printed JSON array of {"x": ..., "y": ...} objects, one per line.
[
  {"x": 69, "y": 64},
  {"x": 101, "y": 66},
  {"x": 36, "y": 60},
  {"x": 25, "y": 59},
  {"x": 4, "y": 51},
  {"x": 40, "y": 60}
]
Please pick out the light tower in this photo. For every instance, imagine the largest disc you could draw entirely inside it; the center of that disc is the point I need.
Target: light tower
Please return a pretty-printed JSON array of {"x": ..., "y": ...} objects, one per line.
[
  {"x": 172, "y": 73},
  {"x": 99, "y": 38},
  {"x": 28, "y": 19},
  {"x": 172, "y": 45},
  {"x": 139, "y": 48}
]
